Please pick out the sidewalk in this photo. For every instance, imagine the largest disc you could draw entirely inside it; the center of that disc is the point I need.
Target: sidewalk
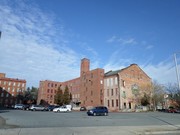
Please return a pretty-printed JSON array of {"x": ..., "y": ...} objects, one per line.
[
  {"x": 2, "y": 122},
  {"x": 119, "y": 130}
]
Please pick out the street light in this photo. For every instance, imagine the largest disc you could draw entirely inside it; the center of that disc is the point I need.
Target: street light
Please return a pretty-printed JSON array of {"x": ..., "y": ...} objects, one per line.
[{"x": 177, "y": 71}]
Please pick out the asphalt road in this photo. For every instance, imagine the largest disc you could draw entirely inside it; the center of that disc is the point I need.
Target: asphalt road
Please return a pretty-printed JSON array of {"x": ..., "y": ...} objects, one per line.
[{"x": 38, "y": 119}]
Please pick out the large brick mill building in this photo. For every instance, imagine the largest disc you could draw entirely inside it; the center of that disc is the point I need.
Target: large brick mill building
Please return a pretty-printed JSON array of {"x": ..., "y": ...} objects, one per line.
[
  {"x": 11, "y": 90},
  {"x": 113, "y": 89}
]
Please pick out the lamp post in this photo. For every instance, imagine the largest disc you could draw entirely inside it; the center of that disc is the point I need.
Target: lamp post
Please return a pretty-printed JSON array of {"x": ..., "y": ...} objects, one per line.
[{"x": 177, "y": 71}]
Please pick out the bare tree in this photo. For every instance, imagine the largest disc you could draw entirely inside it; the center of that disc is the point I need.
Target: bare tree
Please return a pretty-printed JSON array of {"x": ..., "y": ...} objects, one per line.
[
  {"x": 157, "y": 95},
  {"x": 173, "y": 94}
]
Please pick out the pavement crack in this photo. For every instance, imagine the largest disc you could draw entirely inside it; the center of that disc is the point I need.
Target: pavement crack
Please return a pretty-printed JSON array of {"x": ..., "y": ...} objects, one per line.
[{"x": 165, "y": 121}]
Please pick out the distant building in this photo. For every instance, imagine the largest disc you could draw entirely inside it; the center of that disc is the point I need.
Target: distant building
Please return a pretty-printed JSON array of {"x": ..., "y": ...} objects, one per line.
[
  {"x": 114, "y": 89},
  {"x": 121, "y": 87},
  {"x": 11, "y": 90}
]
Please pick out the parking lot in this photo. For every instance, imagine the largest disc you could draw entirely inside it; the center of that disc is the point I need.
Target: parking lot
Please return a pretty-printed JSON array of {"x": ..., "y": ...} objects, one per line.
[{"x": 38, "y": 119}]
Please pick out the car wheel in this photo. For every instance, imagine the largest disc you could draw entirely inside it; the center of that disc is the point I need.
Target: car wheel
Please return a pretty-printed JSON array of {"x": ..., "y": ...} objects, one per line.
[
  {"x": 94, "y": 114},
  {"x": 105, "y": 114},
  {"x": 34, "y": 109},
  {"x": 58, "y": 111}
]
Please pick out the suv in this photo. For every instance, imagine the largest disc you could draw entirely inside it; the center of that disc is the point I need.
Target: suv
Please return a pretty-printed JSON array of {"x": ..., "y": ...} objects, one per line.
[
  {"x": 37, "y": 108},
  {"x": 99, "y": 110}
]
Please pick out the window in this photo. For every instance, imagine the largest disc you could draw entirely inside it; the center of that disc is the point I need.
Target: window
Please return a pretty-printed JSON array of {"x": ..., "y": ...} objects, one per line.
[
  {"x": 23, "y": 85},
  {"x": 8, "y": 89},
  {"x": 123, "y": 83},
  {"x": 117, "y": 102},
  {"x": 13, "y": 90},
  {"x": 51, "y": 91},
  {"x": 48, "y": 91},
  {"x": 2, "y": 94},
  {"x": 116, "y": 81},
  {"x": 52, "y": 85},
  {"x": 14, "y": 84},
  {"x": 4, "y": 82},
  {"x": 111, "y": 82},
  {"x": 107, "y": 82},
  {"x": 112, "y": 103},
  {"x": 112, "y": 92},
  {"x": 9, "y": 83},
  {"x": 108, "y": 103},
  {"x": 7, "y": 95}
]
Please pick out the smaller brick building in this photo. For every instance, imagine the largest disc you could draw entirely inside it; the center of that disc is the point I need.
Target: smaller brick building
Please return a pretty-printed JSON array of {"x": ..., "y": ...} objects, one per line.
[
  {"x": 121, "y": 87},
  {"x": 11, "y": 90}
]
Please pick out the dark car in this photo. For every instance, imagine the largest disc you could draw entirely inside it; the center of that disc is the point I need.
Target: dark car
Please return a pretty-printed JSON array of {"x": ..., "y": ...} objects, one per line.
[
  {"x": 99, "y": 110},
  {"x": 26, "y": 107},
  {"x": 83, "y": 108},
  {"x": 51, "y": 107}
]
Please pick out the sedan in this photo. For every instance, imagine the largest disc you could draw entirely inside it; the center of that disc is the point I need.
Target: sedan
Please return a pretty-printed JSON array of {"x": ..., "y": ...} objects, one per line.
[{"x": 61, "y": 109}]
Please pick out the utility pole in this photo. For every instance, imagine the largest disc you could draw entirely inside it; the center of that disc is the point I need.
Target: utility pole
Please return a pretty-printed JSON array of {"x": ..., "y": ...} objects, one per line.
[{"x": 177, "y": 71}]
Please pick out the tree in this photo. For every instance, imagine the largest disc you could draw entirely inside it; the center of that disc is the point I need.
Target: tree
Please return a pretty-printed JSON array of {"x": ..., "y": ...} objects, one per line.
[
  {"x": 30, "y": 95},
  {"x": 145, "y": 100},
  {"x": 157, "y": 95},
  {"x": 66, "y": 95},
  {"x": 173, "y": 94},
  {"x": 59, "y": 97}
]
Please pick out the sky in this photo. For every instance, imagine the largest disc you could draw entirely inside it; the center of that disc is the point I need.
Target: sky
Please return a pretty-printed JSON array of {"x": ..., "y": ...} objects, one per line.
[{"x": 46, "y": 39}]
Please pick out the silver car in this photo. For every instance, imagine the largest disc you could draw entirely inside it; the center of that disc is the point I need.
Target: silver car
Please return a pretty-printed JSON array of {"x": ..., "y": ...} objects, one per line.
[{"x": 37, "y": 108}]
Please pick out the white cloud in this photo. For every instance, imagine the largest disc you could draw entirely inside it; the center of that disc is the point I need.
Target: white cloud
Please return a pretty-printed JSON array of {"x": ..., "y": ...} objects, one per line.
[
  {"x": 164, "y": 72},
  {"x": 122, "y": 41},
  {"x": 30, "y": 49}
]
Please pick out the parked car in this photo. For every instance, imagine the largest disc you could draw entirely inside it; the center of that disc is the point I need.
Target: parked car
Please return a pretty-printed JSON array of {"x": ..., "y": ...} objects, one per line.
[
  {"x": 61, "y": 109},
  {"x": 171, "y": 110},
  {"x": 51, "y": 107},
  {"x": 99, "y": 110},
  {"x": 37, "y": 108},
  {"x": 177, "y": 111},
  {"x": 18, "y": 106},
  {"x": 26, "y": 107},
  {"x": 83, "y": 108}
]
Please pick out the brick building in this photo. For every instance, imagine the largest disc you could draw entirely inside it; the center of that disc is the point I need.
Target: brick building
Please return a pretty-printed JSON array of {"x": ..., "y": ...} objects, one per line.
[
  {"x": 11, "y": 90},
  {"x": 114, "y": 89},
  {"x": 86, "y": 90},
  {"x": 122, "y": 86}
]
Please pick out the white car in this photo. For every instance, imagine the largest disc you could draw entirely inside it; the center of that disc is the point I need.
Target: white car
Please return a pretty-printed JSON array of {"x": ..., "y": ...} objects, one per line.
[
  {"x": 61, "y": 109},
  {"x": 18, "y": 106}
]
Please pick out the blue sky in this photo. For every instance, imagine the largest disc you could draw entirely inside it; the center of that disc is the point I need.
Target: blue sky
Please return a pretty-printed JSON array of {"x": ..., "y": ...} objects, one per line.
[{"x": 46, "y": 39}]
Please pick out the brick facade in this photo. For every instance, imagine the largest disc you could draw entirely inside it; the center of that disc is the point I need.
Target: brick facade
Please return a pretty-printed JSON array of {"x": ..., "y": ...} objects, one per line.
[
  {"x": 11, "y": 90},
  {"x": 120, "y": 87}
]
